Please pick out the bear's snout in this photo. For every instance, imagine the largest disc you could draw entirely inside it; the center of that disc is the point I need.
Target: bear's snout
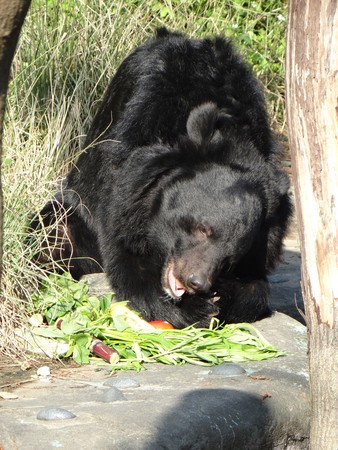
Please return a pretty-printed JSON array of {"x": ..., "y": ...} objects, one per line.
[{"x": 199, "y": 283}]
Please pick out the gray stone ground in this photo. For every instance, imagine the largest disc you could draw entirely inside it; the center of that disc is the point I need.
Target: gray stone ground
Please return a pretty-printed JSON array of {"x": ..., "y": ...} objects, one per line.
[{"x": 264, "y": 406}]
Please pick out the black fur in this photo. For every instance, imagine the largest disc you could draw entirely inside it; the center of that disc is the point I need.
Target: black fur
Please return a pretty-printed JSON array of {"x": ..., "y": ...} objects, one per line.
[{"x": 179, "y": 188}]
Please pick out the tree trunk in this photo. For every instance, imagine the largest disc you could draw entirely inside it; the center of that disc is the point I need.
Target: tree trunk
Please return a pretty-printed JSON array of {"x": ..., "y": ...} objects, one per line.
[
  {"x": 312, "y": 108},
  {"x": 12, "y": 16}
]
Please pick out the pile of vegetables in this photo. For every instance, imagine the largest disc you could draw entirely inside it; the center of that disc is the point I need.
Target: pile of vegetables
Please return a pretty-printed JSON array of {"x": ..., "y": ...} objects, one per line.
[{"x": 109, "y": 329}]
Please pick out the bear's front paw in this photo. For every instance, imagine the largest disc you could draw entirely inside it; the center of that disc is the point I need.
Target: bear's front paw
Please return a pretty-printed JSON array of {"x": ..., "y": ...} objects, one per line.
[{"x": 199, "y": 310}]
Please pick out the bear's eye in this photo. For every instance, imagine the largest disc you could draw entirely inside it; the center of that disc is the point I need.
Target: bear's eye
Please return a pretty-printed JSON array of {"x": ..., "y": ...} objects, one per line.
[{"x": 202, "y": 231}]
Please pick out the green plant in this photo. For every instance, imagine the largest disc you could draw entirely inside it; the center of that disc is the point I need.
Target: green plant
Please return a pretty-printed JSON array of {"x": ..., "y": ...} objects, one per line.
[{"x": 76, "y": 318}]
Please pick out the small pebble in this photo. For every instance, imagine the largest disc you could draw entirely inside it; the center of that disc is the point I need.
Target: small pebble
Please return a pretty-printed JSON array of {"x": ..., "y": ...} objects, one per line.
[
  {"x": 227, "y": 370},
  {"x": 43, "y": 371},
  {"x": 54, "y": 414},
  {"x": 121, "y": 382},
  {"x": 112, "y": 395},
  {"x": 7, "y": 396}
]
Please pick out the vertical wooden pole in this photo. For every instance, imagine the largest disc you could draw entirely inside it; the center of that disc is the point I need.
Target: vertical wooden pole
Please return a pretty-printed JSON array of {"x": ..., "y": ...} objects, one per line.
[{"x": 312, "y": 109}]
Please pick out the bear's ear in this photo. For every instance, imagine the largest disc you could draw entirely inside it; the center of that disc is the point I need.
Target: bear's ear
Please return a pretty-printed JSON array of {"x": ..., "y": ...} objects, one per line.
[{"x": 206, "y": 122}]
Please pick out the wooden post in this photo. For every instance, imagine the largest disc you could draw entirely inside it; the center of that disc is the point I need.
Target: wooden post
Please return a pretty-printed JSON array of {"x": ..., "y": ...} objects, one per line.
[{"x": 312, "y": 109}]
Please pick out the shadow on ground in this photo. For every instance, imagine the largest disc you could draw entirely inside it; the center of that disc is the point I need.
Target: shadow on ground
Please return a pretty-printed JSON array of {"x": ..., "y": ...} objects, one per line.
[{"x": 227, "y": 419}]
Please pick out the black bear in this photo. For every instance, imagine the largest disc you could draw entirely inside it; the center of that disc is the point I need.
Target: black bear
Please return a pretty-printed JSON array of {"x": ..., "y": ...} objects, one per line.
[{"x": 178, "y": 195}]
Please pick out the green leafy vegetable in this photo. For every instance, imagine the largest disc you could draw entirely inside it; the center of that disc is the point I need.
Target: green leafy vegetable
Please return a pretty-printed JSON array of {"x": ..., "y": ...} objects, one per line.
[{"x": 76, "y": 318}]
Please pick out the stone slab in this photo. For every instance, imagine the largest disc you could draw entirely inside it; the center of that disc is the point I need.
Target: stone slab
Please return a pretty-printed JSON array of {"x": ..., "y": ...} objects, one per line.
[{"x": 174, "y": 408}]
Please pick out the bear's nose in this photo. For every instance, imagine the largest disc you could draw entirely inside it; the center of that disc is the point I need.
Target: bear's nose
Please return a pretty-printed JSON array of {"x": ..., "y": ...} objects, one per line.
[{"x": 198, "y": 283}]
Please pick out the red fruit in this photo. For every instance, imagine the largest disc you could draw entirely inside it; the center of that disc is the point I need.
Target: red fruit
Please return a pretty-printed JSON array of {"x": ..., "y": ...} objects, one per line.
[{"x": 161, "y": 324}]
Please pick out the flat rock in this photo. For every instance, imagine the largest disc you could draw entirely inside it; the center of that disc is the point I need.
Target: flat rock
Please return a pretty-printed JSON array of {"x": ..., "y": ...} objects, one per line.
[
  {"x": 98, "y": 284},
  {"x": 175, "y": 407},
  {"x": 286, "y": 294}
]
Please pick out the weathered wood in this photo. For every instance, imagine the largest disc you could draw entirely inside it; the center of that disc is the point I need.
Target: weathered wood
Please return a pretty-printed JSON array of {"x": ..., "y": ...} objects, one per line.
[
  {"x": 312, "y": 108},
  {"x": 12, "y": 16}
]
